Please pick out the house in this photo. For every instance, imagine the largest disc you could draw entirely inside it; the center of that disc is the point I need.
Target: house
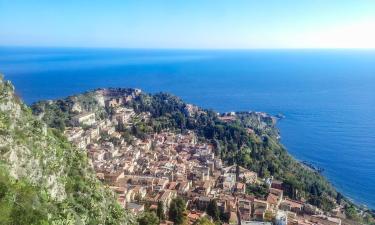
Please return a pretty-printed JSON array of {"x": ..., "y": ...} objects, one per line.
[
  {"x": 244, "y": 208},
  {"x": 274, "y": 198},
  {"x": 114, "y": 102},
  {"x": 260, "y": 204},
  {"x": 93, "y": 133},
  {"x": 272, "y": 201},
  {"x": 255, "y": 223},
  {"x": 260, "y": 208},
  {"x": 249, "y": 176},
  {"x": 229, "y": 181},
  {"x": 281, "y": 218},
  {"x": 166, "y": 198},
  {"x": 135, "y": 208},
  {"x": 204, "y": 187},
  {"x": 277, "y": 184},
  {"x": 201, "y": 173},
  {"x": 193, "y": 216},
  {"x": 73, "y": 133},
  {"x": 80, "y": 143},
  {"x": 184, "y": 187},
  {"x": 325, "y": 220},
  {"x": 203, "y": 202},
  {"x": 291, "y": 205},
  {"x": 310, "y": 209},
  {"x": 122, "y": 115},
  {"x": 240, "y": 188},
  {"x": 162, "y": 183},
  {"x": 108, "y": 130},
  {"x": 84, "y": 119}
]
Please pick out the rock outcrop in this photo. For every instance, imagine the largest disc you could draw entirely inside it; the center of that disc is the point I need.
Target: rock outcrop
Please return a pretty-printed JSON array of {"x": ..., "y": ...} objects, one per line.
[{"x": 53, "y": 178}]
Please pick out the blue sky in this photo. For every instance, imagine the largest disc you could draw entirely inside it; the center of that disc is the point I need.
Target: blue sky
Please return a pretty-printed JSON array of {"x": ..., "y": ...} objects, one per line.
[{"x": 239, "y": 24}]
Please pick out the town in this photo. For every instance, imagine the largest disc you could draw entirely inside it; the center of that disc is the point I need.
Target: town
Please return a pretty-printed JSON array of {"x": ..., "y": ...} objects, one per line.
[{"x": 149, "y": 173}]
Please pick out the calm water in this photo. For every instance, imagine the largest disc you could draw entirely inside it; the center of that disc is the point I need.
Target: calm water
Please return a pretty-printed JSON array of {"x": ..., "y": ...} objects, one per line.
[{"x": 328, "y": 97}]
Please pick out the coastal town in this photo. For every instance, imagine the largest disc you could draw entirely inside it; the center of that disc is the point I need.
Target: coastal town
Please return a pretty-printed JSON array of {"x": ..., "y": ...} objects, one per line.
[{"x": 149, "y": 173}]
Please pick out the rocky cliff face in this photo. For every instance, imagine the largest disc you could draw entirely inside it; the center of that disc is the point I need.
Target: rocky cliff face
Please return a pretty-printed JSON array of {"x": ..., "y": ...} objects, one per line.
[{"x": 43, "y": 178}]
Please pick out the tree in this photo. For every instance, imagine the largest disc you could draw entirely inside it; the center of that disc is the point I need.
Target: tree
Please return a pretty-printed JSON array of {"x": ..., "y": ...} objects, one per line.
[
  {"x": 160, "y": 211},
  {"x": 339, "y": 198},
  {"x": 268, "y": 216},
  {"x": 148, "y": 218},
  {"x": 213, "y": 211},
  {"x": 351, "y": 212},
  {"x": 203, "y": 221},
  {"x": 177, "y": 211}
]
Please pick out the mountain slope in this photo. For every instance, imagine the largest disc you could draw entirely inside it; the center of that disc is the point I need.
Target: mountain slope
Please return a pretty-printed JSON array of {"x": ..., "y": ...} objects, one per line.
[
  {"x": 43, "y": 178},
  {"x": 248, "y": 139}
]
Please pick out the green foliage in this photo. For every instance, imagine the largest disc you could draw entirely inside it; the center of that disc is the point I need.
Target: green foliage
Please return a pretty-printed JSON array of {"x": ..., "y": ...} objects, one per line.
[
  {"x": 213, "y": 210},
  {"x": 21, "y": 202},
  {"x": 160, "y": 211},
  {"x": 75, "y": 195},
  {"x": 177, "y": 212},
  {"x": 204, "y": 221},
  {"x": 351, "y": 212},
  {"x": 258, "y": 150},
  {"x": 259, "y": 191},
  {"x": 268, "y": 216},
  {"x": 148, "y": 218}
]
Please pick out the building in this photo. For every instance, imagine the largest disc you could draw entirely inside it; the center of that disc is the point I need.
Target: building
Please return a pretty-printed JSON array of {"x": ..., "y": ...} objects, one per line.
[
  {"x": 281, "y": 218},
  {"x": 291, "y": 205},
  {"x": 135, "y": 208},
  {"x": 325, "y": 220},
  {"x": 244, "y": 208},
  {"x": 84, "y": 119},
  {"x": 255, "y": 223},
  {"x": 277, "y": 184}
]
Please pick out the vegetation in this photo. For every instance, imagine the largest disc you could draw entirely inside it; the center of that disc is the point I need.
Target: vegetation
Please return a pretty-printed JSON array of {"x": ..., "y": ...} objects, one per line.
[
  {"x": 204, "y": 221},
  {"x": 250, "y": 140},
  {"x": 160, "y": 211},
  {"x": 259, "y": 191},
  {"x": 18, "y": 200},
  {"x": 213, "y": 211},
  {"x": 259, "y": 151},
  {"x": 148, "y": 218},
  {"x": 43, "y": 178},
  {"x": 177, "y": 211}
]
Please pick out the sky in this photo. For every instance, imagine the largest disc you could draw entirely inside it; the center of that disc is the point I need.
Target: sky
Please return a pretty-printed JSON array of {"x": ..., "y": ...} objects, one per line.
[{"x": 191, "y": 24}]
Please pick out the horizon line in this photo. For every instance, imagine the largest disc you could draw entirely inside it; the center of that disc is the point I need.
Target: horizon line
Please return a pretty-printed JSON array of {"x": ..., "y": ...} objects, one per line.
[{"x": 180, "y": 48}]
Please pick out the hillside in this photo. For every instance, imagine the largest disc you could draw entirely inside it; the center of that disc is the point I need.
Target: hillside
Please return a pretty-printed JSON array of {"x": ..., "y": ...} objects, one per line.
[
  {"x": 258, "y": 150},
  {"x": 248, "y": 139},
  {"x": 43, "y": 178}
]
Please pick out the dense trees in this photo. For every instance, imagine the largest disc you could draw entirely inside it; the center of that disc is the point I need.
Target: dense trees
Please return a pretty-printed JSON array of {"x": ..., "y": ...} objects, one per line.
[
  {"x": 259, "y": 151},
  {"x": 148, "y": 218},
  {"x": 177, "y": 211},
  {"x": 259, "y": 191},
  {"x": 20, "y": 202},
  {"x": 213, "y": 211},
  {"x": 204, "y": 221},
  {"x": 160, "y": 211},
  {"x": 250, "y": 140}
]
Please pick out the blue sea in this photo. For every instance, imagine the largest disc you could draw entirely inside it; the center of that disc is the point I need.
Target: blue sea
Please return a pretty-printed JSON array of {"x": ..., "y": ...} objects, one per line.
[{"x": 327, "y": 96}]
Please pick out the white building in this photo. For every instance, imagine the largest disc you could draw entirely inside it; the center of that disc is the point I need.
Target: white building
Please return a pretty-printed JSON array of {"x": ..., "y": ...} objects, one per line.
[{"x": 85, "y": 119}]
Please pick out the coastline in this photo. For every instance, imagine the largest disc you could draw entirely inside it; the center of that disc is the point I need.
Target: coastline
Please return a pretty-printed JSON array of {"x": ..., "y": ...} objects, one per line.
[{"x": 315, "y": 108}]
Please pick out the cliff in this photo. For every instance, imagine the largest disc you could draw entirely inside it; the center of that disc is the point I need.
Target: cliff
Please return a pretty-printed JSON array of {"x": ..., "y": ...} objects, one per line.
[{"x": 43, "y": 178}]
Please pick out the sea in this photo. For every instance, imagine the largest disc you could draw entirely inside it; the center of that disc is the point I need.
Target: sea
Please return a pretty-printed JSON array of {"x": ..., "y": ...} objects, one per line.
[{"x": 326, "y": 96}]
